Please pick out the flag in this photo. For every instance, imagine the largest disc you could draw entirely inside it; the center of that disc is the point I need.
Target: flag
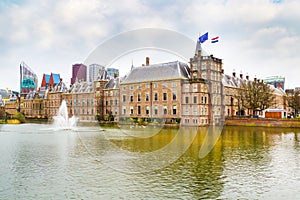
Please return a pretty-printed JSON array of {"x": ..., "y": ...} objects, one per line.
[
  {"x": 203, "y": 37},
  {"x": 215, "y": 39}
]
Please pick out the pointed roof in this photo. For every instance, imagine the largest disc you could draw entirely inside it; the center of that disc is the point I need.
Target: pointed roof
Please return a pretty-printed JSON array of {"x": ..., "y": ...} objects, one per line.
[
  {"x": 162, "y": 71},
  {"x": 198, "y": 47},
  {"x": 56, "y": 78}
]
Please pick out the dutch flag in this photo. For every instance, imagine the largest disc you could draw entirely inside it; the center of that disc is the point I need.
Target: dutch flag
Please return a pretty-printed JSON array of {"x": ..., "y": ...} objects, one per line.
[{"x": 215, "y": 39}]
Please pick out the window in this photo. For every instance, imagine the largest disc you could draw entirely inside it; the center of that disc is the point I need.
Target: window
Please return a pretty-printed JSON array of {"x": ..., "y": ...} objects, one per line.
[
  {"x": 195, "y": 121},
  {"x": 78, "y": 102},
  {"x": 139, "y": 110},
  {"x": 124, "y": 110},
  {"x": 205, "y": 100},
  {"x": 174, "y": 95},
  {"x": 154, "y": 85},
  {"x": 147, "y": 86},
  {"x": 187, "y": 111},
  {"x": 195, "y": 87},
  {"x": 111, "y": 102},
  {"x": 131, "y": 87},
  {"x": 87, "y": 102},
  {"x": 155, "y": 96},
  {"x": 106, "y": 103},
  {"x": 195, "y": 99},
  {"x": 147, "y": 110},
  {"x": 138, "y": 87},
  {"x": 194, "y": 75},
  {"x": 165, "y": 110},
  {"x": 186, "y": 100},
  {"x": 92, "y": 102},
  {"x": 131, "y": 110},
  {"x": 174, "y": 84},
  {"x": 174, "y": 109},
  {"x": 195, "y": 111},
  {"x": 155, "y": 110},
  {"x": 124, "y": 88},
  {"x": 165, "y": 86},
  {"x": 92, "y": 111},
  {"x": 165, "y": 96},
  {"x": 116, "y": 102},
  {"x": 147, "y": 96},
  {"x": 106, "y": 93},
  {"x": 187, "y": 121},
  {"x": 124, "y": 98},
  {"x": 83, "y": 111},
  {"x": 111, "y": 93},
  {"x": 131, "y": 98},
  {"x": 139, "y": 97},
  {"x": 187, "y": 89}
]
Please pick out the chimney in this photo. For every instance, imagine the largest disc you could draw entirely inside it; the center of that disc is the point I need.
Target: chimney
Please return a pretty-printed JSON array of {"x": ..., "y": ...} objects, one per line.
[
  {"x": 147, "y": 61},
  {"x": 116, "y": 75},
  {"x": 247, "y": 77},
  {"x": 241, "y": 76},
  {"x": 255, "y": 79},
  {"x": 222, "y": 71},
  {"x": 233, "y": 74}
]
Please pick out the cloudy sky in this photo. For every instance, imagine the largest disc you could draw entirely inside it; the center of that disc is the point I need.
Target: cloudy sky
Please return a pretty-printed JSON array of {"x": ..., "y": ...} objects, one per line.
[{"x": 258, "y": 37}]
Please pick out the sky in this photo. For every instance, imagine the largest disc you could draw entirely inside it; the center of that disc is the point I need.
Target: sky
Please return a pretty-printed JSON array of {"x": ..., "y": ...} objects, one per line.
[{"x": 259, "y": 38}]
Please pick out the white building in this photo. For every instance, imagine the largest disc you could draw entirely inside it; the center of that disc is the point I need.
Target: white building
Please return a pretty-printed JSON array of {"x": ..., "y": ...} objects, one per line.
[{"x": 94, "y": 71}]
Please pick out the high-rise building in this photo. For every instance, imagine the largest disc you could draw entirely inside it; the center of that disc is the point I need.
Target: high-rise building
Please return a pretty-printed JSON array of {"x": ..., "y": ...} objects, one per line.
[
  {"x": 112, "y": 71},
  {"x": 28, "y": 79},
  {"x": 276, "y": 81},
  {"x": 94, "y": 71},
  {"x": 78, "y": 73}
]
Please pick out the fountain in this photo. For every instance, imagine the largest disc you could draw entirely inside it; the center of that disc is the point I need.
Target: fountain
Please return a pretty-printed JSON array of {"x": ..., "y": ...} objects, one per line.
[{"x": 62, "y": 120}]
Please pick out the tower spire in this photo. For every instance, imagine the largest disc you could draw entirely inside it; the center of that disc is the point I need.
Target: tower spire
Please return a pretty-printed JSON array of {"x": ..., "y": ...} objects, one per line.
[{"x": 198, "y": 47}]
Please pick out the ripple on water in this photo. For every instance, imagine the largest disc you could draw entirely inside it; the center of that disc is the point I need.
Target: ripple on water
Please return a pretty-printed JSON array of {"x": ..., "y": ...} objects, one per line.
[{"x": 43, "y": 164}]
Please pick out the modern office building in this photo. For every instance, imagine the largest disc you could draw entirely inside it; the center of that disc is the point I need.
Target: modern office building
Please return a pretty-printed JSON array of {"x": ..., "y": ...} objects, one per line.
[
  {"x": 79, "y": 72},
  {"x": 112, "y": 72},
  {"x": 94, "y": 72},
  {"x": 276, "y": 81},
  {"x": 28, "y": 79}
]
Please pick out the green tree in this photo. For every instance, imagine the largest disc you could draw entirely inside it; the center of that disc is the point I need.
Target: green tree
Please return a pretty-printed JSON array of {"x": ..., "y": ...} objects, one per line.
[{"x": 256, "y": 96}]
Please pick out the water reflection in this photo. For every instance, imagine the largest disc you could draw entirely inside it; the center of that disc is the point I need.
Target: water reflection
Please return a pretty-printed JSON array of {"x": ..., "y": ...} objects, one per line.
[{"x": 251, "y": 163}]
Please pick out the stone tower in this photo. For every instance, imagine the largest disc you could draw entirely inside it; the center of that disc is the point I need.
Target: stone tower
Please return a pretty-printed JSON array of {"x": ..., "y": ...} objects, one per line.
[{"x": 209, "y": 68}]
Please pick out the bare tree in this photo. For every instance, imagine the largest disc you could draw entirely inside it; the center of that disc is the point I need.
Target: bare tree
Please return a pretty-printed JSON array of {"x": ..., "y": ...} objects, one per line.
[
  {"x": 2, "y": 113},
  {"x": 294, "y": 101},
  {"x": 256, "y": 96}
]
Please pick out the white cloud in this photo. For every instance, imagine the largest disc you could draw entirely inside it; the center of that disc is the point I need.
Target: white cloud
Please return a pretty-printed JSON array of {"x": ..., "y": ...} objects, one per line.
[{"x": 55, "y": 34}]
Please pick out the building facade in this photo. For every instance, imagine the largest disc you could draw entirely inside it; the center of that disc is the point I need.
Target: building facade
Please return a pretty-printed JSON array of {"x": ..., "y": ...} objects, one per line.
[
  {"x": 112, "y": 71},
  {"x": 94, "y": 72},
  {"x": 79, "y": 72},
  {"x": 197, "y": 94}
]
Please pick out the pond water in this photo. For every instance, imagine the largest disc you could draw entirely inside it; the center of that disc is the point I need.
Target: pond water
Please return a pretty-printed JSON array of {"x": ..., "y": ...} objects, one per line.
[{"x": 39, "y": 162}]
